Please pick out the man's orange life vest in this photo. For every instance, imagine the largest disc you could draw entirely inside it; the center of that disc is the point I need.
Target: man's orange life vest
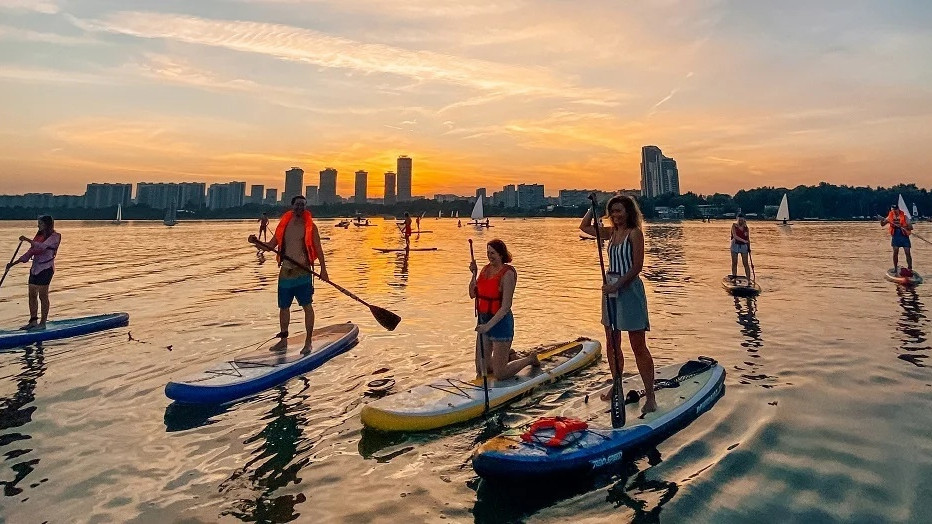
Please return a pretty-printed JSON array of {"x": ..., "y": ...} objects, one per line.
[
  {"x": 489, "y": 291},
  {"x": 308, "y": 234},
  {"x": 897, "y": 219}
]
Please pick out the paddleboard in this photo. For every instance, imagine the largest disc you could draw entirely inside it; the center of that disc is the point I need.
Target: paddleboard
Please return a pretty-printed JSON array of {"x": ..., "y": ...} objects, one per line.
[
  {"x": 65, "y": 328},
  {"x": 698, "y": 384},
  {"x": 740, "y": 286},
  {"x": 401, "y": 249},
  {"x": 255, "y": 372},
  {"x": 892, "y": 276},
  {"x": 451, "y": 400}
]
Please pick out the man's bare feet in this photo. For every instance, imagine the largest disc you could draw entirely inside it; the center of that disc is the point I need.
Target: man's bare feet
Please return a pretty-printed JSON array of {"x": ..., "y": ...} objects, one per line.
[
  {"x": 306, "y": 350},
  {"x": 33, "y": 322},
  {"x": 650, "y": 405}
]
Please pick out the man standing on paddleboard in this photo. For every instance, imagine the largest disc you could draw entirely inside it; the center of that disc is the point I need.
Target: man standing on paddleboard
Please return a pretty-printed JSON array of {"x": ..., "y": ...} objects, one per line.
[
  {"x": 900, "y": 228},
  {"x": 263, "y": 228},
  {"x": 298, "y": 239}
]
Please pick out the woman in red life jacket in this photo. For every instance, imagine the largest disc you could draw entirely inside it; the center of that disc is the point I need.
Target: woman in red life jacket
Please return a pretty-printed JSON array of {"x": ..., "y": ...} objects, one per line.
[
  {"x": 493, "y": 289},
  {"x": 740, "y": 243},
  {"x": 43, "y": 249},
  {"x": 900, "y": 228}
]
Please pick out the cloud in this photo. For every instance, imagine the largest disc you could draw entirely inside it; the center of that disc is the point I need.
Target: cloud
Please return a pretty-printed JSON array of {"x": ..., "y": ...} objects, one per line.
[
  {"x": 39, "y": 6},
  {"x": 25, "y": 35},
  {"x": 323, "y": 50}
]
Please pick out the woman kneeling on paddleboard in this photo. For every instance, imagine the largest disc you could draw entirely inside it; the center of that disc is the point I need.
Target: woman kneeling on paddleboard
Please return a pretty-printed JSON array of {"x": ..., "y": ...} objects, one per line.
[
  {"x": 626, "y": 260},
  {"x": 493, "y": 289}
]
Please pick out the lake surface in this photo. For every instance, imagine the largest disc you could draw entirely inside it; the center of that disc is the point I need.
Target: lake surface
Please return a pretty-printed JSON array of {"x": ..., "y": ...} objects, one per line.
[{"x": 826, "y": 414}]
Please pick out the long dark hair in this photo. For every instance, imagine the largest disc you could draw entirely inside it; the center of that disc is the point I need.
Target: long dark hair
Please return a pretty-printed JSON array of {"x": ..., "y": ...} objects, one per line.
[
  {"x": 49, "y": 224},
  {"x": 633, "y": 216},
  {"x": 501, "y": 249}
]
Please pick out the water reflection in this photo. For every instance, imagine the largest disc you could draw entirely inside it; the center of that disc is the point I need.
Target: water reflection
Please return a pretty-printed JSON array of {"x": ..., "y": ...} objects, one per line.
[
  {"x": 15, "y": 412},
  {"x": 272, "y": 466},
  {"x": 911, "y": 324},
  {"x": 665, "y": 265},
  {"x": 628, "y": 486},
  {"x": 746, "y": 309}
]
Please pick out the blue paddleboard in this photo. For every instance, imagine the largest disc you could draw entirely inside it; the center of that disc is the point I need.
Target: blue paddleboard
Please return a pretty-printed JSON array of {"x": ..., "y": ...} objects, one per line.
[
  {"x": 55, "y": 329},
  {"x": 695, "y": 386},
  {"x": 249, "y": 374}
]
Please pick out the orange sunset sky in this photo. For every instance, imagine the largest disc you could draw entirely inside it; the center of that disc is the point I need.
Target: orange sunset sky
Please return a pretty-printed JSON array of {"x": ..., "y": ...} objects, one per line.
[{"x": 742, "y": 93}]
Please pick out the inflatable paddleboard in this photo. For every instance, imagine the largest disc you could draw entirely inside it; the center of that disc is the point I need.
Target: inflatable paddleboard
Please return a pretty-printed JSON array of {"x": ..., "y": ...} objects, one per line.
[
  {"x": 56, "y": 329},
  {"x": 740, "y": 286},
  {"x": 893, "y": 276},
  {"x": 249, "y": 374},
  {"x": 401, "y": 249},
  {"x": 586, "y": 441},
  {"x": 448, "y": 401}
]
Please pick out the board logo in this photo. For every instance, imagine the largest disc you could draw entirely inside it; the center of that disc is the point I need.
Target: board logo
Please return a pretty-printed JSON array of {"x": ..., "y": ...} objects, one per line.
[
  {"x": 709, "y": 400},
  {"x": 599, "y": 462}
]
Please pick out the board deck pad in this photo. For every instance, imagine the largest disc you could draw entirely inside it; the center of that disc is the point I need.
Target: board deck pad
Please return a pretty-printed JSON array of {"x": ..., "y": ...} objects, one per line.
[{"x": 451, "y": 400}]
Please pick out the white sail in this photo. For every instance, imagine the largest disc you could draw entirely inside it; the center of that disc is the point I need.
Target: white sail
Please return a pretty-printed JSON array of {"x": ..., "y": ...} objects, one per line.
[
  {"x": 915, "y": 210},
  {"x": 784, "y": 212},
  {"x": 902, "y": 205},
  {"x": 119, "y": 217},
  {"x": 171, "y": 217},
  {"x": 477, "y": 211},
  {"x": 457, "y": 214}
]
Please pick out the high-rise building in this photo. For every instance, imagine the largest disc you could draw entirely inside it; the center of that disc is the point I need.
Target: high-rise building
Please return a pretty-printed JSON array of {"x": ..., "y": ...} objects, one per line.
[
  {"x": 294, "y": 181},
  {"x": 531, "y": 196},
  {"x": 107, "y": 195},
  {"x": 389, "y": 198},
  {"x": 404, "y": 178},
  {"x": 256, "y": 193},
  {"x": 658, "y": 173},
  {"x": 271, "y": 197},
  {"x": 159, "y": 195},
  {"x": 191, "y": 195},
  {"x": 480, "y": 192},
  {"x": 510, "y": 195},
  {"x": 362, "y": 181},
  {"x": 327, "y": 194},
  {"x": 310, "y": 193},
  {"x": 223, "y": 196}
]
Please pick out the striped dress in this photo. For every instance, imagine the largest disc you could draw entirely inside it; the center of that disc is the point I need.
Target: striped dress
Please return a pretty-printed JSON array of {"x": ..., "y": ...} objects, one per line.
[{"x": 630, "y": 306}]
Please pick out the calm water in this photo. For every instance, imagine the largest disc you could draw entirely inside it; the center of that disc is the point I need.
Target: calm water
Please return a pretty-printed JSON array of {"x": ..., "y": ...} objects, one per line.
[{"x": 826, "y": 415}]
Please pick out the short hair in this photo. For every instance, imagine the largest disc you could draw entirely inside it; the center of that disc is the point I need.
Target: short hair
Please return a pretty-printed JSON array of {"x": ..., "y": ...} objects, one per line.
[{"x": 296, "y": 197}]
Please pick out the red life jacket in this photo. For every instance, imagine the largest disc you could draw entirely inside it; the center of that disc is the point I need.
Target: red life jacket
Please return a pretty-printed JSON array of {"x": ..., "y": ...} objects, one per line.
[
  {"x": 489, "y": 291},
  {"x": 562, "y": 428},
  {"x": 740, "y": 232},
  {"x": 308, "y": 234}
]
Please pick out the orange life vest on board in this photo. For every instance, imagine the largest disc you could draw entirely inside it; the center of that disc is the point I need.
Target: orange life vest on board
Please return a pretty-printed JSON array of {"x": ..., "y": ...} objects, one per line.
[
  {"x": 489, "y": 291},
  {"x": 308, "y": 234}
]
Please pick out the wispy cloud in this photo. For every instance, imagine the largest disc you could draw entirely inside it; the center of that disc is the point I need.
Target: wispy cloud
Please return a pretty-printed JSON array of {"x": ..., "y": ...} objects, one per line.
[
  {"x": 38, "y": 6},
  {"x": 25, "y": 35},
  {"x": 55, "y": 76},
  {"x": 323, "y": 50}
]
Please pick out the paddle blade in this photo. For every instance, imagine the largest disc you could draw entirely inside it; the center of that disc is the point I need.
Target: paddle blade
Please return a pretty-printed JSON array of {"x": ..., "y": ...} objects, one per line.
[
  {"x": 618, "y": 406},
  {"x": 385, "y": 318}
]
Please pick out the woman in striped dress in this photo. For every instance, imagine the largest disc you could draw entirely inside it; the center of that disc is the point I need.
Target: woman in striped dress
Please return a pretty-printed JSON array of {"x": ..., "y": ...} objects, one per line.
[{"x": 624, "y": 296}]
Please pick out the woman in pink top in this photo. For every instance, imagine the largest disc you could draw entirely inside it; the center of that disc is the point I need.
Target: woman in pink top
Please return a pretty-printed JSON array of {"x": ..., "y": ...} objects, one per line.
[{"x": 42, "y": 251}]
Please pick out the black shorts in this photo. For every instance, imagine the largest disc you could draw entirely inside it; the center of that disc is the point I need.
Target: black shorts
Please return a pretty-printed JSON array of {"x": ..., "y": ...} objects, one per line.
[{"x": 44, "y": 277}]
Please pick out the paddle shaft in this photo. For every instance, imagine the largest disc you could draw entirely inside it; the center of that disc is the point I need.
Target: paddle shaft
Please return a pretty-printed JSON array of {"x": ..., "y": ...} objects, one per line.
[
  {"x": 484, "y": 371},
  {"x": 7, "y": 269},
  {"x": 610, "y": 307}
]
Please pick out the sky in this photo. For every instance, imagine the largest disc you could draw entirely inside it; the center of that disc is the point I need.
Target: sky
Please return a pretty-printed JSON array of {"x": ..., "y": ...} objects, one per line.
[{"x": 742, "y": 93}]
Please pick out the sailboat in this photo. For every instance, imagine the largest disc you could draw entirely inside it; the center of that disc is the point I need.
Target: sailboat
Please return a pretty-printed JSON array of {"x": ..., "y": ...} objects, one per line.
[
  {"x": 902, "y": 205},
  {"x": 119, "y": 215},
  {"x": 915, "y": 212},
  {"x": 171, "y": 215},
  {"x": 783, "y": 214},
  {"x": 478, "y": 215}
]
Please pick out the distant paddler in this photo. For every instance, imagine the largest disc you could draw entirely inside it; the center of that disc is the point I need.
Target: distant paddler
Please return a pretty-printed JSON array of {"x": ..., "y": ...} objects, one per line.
[
  {"x": 43, "y": 248},
  {"x": 298, "y": 239},
  {"x": 405, "y": 228},
  {"x": 263, "y": 228},
  {"x": 740, "y": 244},
  {"x": 900, "y": 228}
]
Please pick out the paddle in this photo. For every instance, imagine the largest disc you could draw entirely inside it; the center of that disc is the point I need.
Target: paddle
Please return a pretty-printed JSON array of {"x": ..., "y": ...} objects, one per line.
[
  {"x": 751, "y": 259},
  {"x": 485, "y": 375},
  {"x": 618, "y": 408},
  {"x": 386, "y": 318},
  {"x": 7, "y": 270}
]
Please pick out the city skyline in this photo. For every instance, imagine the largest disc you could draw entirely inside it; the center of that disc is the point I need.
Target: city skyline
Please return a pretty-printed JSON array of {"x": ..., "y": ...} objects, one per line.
[{"x": 741, "y": 94}]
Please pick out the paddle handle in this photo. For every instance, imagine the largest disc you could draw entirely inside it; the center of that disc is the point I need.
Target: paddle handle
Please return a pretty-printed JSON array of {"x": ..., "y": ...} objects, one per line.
[
  {"x": 258, "y": 243},
  {"x": 484, "y": 373},
  {"x": 7, "y": 269}
]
